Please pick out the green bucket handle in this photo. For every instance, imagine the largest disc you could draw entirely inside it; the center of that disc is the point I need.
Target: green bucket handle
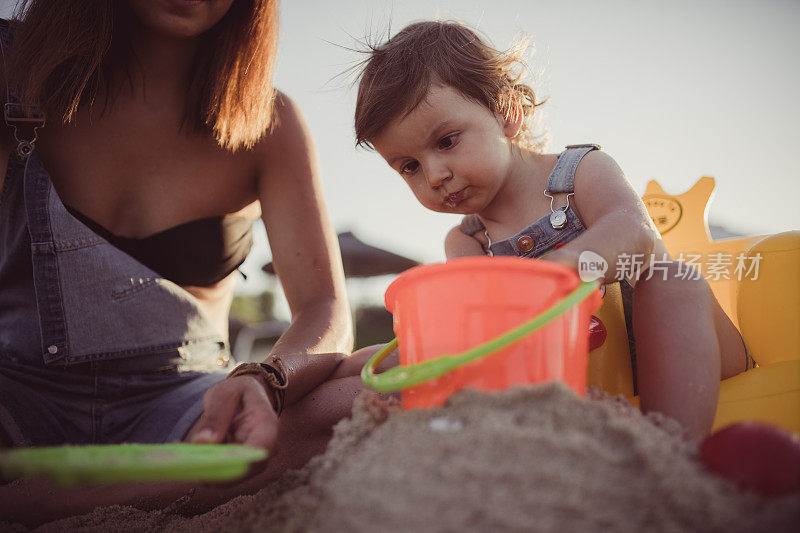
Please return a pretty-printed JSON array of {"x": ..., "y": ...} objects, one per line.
[{"x": 400, "y": 378}]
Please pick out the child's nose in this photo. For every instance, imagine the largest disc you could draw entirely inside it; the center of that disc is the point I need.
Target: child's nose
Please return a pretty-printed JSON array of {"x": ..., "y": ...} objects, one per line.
[{"x": 437, "y": 175}]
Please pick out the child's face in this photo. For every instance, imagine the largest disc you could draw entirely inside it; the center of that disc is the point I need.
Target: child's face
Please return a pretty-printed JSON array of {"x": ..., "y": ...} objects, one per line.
[{"x": 453, "y": 152}]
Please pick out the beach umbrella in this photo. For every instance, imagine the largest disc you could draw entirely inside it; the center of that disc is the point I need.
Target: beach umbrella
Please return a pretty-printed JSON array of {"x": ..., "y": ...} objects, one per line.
[{"x": 362, "y": 260}]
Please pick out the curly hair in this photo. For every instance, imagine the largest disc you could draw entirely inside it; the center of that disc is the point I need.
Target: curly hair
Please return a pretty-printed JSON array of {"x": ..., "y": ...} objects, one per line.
[{"x": 396, "y": 77}]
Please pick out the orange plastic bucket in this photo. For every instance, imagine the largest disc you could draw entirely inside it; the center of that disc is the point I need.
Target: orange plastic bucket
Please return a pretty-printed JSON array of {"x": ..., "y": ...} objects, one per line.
[{"x": 451, "y": 307}]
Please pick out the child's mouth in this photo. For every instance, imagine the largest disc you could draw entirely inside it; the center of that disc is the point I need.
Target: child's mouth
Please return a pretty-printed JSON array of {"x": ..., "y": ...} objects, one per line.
[{"x": 453, "y": 199}]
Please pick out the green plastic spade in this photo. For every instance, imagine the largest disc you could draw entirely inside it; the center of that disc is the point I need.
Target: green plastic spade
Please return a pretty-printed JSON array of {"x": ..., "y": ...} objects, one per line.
[{"x": 119, "y": 463}]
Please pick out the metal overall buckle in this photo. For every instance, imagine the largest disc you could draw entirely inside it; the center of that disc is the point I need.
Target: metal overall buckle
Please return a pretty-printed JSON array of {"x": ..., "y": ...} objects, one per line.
[
  {"x": 558, "y": 216},
  {"x": 18, "y": 115},
  {"x": 489, "y": 251}
]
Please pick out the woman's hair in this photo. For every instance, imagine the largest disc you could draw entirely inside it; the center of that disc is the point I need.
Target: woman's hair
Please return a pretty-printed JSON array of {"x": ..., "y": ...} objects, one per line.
[
  {"x": 397, "y": 75},
  {"x": 66, "y": 52}
]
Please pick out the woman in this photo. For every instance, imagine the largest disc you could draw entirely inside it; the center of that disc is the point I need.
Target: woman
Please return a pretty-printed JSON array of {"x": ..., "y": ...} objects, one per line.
[{"x": 124, "y": 219}]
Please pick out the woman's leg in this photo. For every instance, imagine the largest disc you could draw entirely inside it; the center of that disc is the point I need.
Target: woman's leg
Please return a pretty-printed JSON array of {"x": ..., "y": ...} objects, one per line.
[
  {"x": 304, "y": 431},
  {"x": 685, "y": 344}
]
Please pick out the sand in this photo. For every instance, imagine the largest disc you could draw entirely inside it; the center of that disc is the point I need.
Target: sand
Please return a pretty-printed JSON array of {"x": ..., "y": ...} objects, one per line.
[{"x": 528, "y": 459}]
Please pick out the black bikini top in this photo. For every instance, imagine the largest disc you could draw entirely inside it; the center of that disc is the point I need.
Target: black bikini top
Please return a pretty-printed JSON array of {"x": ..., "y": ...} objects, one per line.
[{"x": 197, "y": 253}]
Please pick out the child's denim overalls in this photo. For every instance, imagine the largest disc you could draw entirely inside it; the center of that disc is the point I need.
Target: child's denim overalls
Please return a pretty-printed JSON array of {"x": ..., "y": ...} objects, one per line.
[
  {"x": 542, "y": 237},
  {"x": 94, "y": 346}
]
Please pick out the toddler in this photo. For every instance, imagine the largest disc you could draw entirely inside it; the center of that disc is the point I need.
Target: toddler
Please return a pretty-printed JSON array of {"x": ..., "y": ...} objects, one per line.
[{"x": 450, "y": 114}]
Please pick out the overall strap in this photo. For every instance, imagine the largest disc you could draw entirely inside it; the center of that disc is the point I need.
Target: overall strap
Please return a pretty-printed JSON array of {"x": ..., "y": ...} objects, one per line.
[
  {"x": 17, "y": 115},
  {"x": 562, "y": 178}
]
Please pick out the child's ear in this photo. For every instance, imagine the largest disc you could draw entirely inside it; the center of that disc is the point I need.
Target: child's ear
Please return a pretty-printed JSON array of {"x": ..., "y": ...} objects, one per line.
[{"x": 513, "y": 122}]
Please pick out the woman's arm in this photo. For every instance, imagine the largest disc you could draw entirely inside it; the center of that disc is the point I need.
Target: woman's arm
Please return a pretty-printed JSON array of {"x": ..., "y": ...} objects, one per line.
[
  {"x": 615, "y": 218},
  {"x": 305, "y": 253},
  {"x": 306, "y": 257}
]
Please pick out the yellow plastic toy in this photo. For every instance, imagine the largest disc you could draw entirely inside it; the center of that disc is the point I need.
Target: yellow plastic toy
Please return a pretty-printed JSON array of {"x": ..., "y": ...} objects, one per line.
[{"x": 757, "y": 282}]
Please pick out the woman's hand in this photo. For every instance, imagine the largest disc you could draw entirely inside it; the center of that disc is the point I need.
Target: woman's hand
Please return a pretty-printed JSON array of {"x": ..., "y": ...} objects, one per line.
[{"x": 237, "y": 410}]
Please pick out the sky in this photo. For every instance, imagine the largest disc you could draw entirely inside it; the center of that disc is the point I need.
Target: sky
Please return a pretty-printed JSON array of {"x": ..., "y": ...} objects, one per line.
[{"x": 672, "y": 90}]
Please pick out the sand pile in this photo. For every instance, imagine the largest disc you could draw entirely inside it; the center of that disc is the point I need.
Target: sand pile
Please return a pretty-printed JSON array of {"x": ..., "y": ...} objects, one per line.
[{"x": 531, "y": 459}]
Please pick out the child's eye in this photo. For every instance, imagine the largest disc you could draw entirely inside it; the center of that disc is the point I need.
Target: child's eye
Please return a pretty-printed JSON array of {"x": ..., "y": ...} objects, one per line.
[
  {"x": 448, "y": 142},
  {"x": 409, "y": 168}
]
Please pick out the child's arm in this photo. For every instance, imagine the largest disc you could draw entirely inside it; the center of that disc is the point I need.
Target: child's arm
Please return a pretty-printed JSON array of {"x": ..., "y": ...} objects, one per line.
[
  {"x": 459, "y": 244},
  {"x": 615, "y": 218}
]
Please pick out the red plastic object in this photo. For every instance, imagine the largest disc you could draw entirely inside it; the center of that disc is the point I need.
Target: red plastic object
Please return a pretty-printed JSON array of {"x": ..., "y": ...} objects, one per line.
[
  {"x": 451, "y": 307},
  {"x": 597, "y": 333},
  {"x": 755, "y": 456}
]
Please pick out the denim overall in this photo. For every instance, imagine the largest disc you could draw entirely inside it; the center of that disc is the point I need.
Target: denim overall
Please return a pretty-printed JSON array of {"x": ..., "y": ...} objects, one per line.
[
  {"x": 95, "y": 347},
  {"x": 543, "y": 236}
]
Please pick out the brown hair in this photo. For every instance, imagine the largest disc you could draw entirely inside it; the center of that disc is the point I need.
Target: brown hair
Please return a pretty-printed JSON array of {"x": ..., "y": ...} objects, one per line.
[
  {"x": 63, "y": 54},
  {"x": 396, "y": 77}
]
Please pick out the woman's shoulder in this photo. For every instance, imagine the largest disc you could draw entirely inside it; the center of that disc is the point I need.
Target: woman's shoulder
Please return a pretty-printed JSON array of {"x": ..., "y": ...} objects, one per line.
[
  {"x": 288, "y": 132},
  {"x": 286, "y": 120}
]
